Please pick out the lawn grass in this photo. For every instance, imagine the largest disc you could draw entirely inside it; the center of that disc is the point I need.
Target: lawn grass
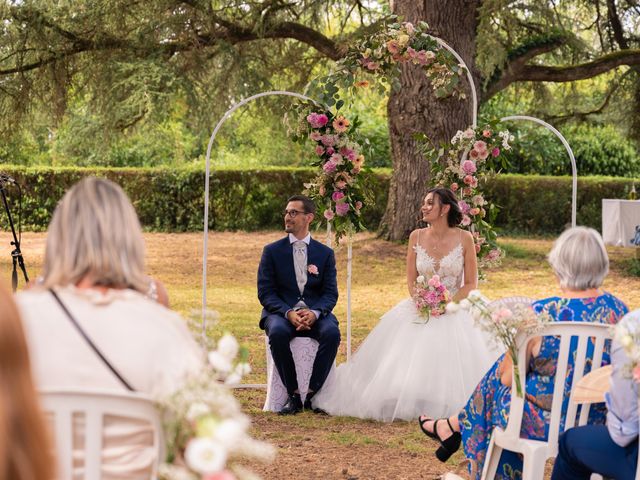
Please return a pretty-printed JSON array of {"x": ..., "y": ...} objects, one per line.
[{"x": 350, "y": 448}]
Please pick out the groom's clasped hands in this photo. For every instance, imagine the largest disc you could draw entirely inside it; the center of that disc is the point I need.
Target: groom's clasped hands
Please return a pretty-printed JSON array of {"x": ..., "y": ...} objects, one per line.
[{"x": 302, "y": 319}]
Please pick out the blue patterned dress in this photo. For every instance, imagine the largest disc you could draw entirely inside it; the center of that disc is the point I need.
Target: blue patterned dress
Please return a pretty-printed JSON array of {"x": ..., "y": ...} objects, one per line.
[{"x": 489, "y": 404}]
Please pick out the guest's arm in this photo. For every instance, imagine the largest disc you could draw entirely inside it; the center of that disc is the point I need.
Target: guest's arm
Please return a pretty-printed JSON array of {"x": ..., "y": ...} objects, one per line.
[
  {"x": 622, "y": 400},
  {"x": 267, "y": 288},
  {"x": 329, "y": 297},
  {"x": 506, "y": 365}
]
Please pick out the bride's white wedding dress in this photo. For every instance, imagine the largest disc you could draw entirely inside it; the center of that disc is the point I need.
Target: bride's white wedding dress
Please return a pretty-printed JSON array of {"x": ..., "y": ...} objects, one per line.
[{"x": 404, "y": 368}]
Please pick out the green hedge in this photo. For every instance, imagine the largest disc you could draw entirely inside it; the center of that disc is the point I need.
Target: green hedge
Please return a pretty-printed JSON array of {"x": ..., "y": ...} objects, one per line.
[{"x": 172, "y": 200}]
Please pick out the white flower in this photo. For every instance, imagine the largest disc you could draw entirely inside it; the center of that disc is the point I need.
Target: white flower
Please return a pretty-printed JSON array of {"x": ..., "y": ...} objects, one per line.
[
  {"x": 420, "y": 279},
  {"x": 230, "y": 431},
  {"x": 228, "y": 346},
  {"x": 626, "y": 341},
  {"x": 465, "y": 304},
  {"x": 233, "y": 379},
  {"x": 174, "y": 472},
  {"x": 197, "y": 410},
  {"x": 474, "y": 295},
  {"x": 220, "y": 362},
  {"x": 452, "y": 307},
  {"x": 242, "y": 369},
  {"x": 205, "y": 456}
]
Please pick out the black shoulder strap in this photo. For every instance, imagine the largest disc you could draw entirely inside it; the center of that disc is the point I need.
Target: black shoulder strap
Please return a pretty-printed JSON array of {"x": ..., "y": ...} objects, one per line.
[{"x": 88, "y": 340}]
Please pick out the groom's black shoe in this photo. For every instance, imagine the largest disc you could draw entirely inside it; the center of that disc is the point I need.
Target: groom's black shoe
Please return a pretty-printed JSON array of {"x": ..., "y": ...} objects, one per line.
[
  {"x": 293, "y": 405},
  {"x": 309, "y": 406}
]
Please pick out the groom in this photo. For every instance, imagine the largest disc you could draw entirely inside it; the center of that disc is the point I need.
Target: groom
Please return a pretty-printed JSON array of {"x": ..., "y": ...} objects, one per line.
[{"x": 298, "y": 289}]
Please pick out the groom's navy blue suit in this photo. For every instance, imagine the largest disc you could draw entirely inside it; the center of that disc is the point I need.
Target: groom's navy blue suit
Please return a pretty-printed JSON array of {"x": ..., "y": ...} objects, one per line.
[{"x": 278, "y": 292}]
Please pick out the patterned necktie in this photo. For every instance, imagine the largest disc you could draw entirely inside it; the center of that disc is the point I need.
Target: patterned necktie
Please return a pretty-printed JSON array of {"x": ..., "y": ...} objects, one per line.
[{"x": 300, "y": 263}]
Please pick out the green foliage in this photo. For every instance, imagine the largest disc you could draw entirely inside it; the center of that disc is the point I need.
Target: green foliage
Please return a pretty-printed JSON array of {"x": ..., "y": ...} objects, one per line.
[{"x": 599, "y": 150}]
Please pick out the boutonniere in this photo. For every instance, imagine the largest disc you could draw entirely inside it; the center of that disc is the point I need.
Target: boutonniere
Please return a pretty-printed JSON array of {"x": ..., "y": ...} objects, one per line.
[{"x": 312, "y": 269}]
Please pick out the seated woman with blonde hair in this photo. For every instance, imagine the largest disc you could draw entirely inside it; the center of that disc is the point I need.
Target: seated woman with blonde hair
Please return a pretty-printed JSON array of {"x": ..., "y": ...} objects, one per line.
[
  {"x": 580, "y": 262},
  {"x": 93, "y": 298}
]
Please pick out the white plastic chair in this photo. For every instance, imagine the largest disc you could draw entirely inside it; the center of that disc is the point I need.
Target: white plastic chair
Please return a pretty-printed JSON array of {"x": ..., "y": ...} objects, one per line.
[
  {"x": 63, "y": 405},
  {"x": 304, "y": 351},
  {"x": 537, "y": 452}
]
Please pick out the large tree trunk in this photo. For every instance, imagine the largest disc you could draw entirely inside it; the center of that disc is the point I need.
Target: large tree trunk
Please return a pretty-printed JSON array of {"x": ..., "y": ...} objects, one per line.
[{"x": 414, "y": 108}]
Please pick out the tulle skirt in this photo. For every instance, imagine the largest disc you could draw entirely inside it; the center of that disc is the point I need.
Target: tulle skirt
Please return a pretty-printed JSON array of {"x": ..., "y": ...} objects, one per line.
[{"x": 404, "y": 368}]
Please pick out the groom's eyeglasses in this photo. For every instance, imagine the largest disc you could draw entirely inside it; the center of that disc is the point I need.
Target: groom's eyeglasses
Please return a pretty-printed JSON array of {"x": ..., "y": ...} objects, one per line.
[{"x": 293, "y": 213}]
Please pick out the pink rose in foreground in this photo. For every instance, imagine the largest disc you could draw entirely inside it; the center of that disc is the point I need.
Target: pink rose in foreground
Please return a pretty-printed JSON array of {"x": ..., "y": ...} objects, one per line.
[
  {"x": 342, "y": 209},
  {"x": 329, "y": 167},
  {"x": 224, "y": 475},
  {"x": 636, "y": 373},
  {"x": 495, "y": 152},
  {"x": 469, "y": 167},
  {"x": 337, "y": 196},
  {"x": 466, "y": 221},
  {"x": 312, "y": 269},
  {"x": 328, "y": 214},
  {"x": 319, "y": 150},
  {"x": 454, "y": 187},
  {"x": 317, "y": 120},
  {"x": 434, "y": 281}
]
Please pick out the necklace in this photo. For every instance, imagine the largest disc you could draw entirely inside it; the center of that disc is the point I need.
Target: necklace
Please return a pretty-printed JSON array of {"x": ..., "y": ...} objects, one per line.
[{"x": 437, "y": 240}]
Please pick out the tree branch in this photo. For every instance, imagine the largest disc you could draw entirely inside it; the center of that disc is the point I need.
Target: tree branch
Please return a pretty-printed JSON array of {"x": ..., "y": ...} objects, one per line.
[{"x": 542, "y": 73}]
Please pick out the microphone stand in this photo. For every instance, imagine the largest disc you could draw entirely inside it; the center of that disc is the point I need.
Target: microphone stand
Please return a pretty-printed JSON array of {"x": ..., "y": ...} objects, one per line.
[{"x": 16, "y": 254}]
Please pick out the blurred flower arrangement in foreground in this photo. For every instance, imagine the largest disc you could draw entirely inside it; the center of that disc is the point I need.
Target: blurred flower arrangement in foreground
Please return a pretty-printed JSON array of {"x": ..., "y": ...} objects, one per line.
[{"x": 206, "y": 433}]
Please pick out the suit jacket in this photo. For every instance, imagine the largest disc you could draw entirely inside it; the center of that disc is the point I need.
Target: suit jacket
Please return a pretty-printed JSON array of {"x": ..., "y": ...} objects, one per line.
[{"x": 278, "y": 289}]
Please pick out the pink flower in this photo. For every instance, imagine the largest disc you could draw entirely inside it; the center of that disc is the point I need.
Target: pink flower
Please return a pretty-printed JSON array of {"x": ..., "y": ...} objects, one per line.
[
  {"x": 411, "y": 53},
  {"x": 330, "y": 151},
  {"x": 493, "y": 254},
  {"x": 454, "y": 187},
  {"x": 478, "y": 200},
  {"x": 315, "y": 136},
  {"x": 372, "y": 66},
  {"x": 478, "y": 247},
  {"x": 319, "y": 150},
  {"x": 409, "y": 27},
  {"x": 467, "y": 179},
  {"x": 329, "y": 167},
  {"x": 425, "y": 57},
  {"x": 495, "y": 152},
  {"x": 341, "y": 184},
  {"x": 464, "y": 206},
  {"x": 468, "y": 134},
  {"x": 337, "y": 159},
  {"x": 358, "y": 205},
  {"x": 486, "y": 133},
  {"x": 469, "y": 167},
  {"x": 322, "y": 190},
  {"x": 348, "y": 153},
  {"x": 328, "y": 140},
  {"x": 328, "y": 214},
  {"x": 483, "y": 154},
  {"x": 466, "y": 220},
  {"x": 434, "y": 281},
  {"x": 474, "y": 211},
  {"x": 312, "y": 269},
  {"x": 342, "y": 209},
  {"x": 636, "y": 373},
  {"x": 337, "y": 196},
  {"x": 466, "y": 191},
  {"x": 474, "y": 154},
  {"x": 393, "y": 46},
  {"x": 341, "y": 124},
  {"x": 317, "y": 120},
  {"x": 480, "y": 145},
  {"x": 224, "y": 475}
]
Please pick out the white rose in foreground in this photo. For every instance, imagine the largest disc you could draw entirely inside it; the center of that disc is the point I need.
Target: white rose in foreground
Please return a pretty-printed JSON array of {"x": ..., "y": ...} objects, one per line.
[
  {"x": 197, "y": 410},
  {"x": 233, "y": 379},
  {"x": 452, "y": 307},
  {"x": 219, "y": 362},
  {"x": 465, "y": 304},
  {"x": 205, "y": 456},
  {"x": 474, "y": 295},
  {"x": 242, "y": 369},
  {"x": 228, "y": 346},
  {"x": 229, "y": 432}
]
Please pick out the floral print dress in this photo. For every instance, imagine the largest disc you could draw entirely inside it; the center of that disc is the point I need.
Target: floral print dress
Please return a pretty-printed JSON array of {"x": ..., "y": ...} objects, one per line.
[{"x": 488, "y": 406}]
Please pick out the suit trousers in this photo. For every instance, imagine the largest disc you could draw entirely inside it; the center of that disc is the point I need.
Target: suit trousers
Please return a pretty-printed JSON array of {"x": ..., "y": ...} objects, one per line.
[
  {"x": 590, "y": 449},
  {"x": 280, "y": 332}
]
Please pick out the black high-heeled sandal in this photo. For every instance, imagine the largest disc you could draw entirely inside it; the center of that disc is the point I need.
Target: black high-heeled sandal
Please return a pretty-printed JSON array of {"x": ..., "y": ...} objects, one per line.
[
  {"x": 424, "y": 430},
  {"x": 449, "y": 446}
]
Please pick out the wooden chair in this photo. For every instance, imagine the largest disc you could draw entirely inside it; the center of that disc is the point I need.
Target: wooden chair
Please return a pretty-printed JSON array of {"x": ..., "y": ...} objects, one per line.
[
  {"x": 71, "y": 408},
  {"x": 537, "y": 452}
]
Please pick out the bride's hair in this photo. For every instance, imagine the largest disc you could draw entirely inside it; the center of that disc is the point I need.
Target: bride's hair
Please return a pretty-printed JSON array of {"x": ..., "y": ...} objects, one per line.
[{"x": 447, "y": 197}]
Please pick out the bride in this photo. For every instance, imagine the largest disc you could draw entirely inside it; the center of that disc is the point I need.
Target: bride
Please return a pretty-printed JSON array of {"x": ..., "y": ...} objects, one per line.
[{"x": 405, "y": 367}]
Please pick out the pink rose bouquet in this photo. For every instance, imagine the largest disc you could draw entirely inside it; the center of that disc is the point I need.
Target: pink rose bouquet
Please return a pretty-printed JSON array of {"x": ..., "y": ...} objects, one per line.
[{"x": 431, "y": 297}]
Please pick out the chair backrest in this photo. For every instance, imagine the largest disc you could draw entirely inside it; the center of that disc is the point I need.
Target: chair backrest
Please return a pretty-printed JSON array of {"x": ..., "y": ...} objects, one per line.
[
  {"x": 510, "y": 302},
  {"x": 95, "y": 406},
  {"x": 584, "y": 332}
]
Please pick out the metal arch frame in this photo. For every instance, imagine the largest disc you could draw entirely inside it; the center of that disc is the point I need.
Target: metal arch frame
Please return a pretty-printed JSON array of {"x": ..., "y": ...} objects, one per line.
[{"x": 574, "y": 168}]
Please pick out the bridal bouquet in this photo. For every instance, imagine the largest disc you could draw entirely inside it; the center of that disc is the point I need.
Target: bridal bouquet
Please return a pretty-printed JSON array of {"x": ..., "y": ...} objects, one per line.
[
  {"x": 431, "y": 297},
  {"x": 206, "y": 432},
  {"x": 503, "y": 324}
]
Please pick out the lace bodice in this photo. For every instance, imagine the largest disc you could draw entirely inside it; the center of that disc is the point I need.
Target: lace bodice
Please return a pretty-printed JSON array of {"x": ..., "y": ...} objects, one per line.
[{"x": 450, "y": 268}]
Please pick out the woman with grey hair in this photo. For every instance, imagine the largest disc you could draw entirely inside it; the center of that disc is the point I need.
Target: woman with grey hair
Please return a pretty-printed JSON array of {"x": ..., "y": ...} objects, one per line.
[
  {"x": 580, "y": 263},
  {"x": 90, "y": 324}
]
